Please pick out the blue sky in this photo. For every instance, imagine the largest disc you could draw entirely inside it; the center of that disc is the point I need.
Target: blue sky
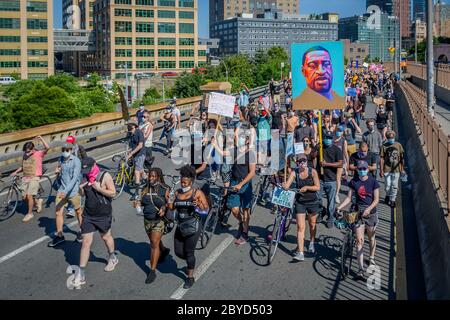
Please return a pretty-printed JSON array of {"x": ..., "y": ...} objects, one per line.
[{"x": 344, "y": 8}]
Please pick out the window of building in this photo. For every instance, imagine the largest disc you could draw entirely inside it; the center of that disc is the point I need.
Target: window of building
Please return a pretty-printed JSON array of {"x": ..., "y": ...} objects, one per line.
[
  {"x": 123, "y": 26},
  {"x": 9, "y": 23},
  {"x": 36, "y": 24},
  {"x": 37, "y": 64},
  {"x": 145, "y": 64},
  {"x": 145, "y": 41},
  {"x": 144, "y": 2},
  {"x": 186, "y": 53},
  {"x": 167, "y": 41},
  {"x": 121, "y": 64},
  {"x": 123, "y": 53},
  {"x": 122, "y": 12},
  {"x": 166, "y": 52},
  {"x": 166, "y": 14},
  {"x": 122, "y": 1},
  {"x": 9, "y": 64},
  {"x": 202, "y": 63},
  {"x": 144, "y": 27},
  {"x": 9, "y": 52},
  {"x": 166, "y": 3},
  {"x": 186, "y": 41},
  {"x": 145, "y": 52},
  {"x": 202, "y": 53},
  {"x": 165, "y": 27},
  {"x": 123, "y": 41},
  {"x": 186, "y": 15},
  {"x": 186, "y": 64},
  {"x": 9, "y": 38},
  {"x": 37, "y": 52},
  {"x": 33, "y": 6},
  {"x": 186, "y": 3},
  {"x": 120, "y": 75},
  {"x": 166, "y": 64},
  {"x": 37, "y": 76},
  {"x": 144, "y": 13},
  {"x": 9, "y": 5},
  {"x": 186, "y": 28}
]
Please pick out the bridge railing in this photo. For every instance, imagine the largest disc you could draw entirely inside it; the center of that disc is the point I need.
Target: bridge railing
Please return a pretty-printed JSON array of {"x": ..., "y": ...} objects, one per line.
[
  {"x": 98, "y": 130},
  {"x": 441, "y": 73},
  {"x": 436, "y": 143}
]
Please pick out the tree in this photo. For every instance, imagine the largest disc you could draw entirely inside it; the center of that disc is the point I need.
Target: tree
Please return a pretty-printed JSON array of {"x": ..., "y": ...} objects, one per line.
[
  {"x": 188, "y": 85},
  {"x": 64, "y": 81},
  {"x": 6, "y": 122},
  {"x": 345, "y": 61},
  {"x": 152, "y": 93},
  {"x": 93, "y": 80},
  {"x": 367, "y": 58}
]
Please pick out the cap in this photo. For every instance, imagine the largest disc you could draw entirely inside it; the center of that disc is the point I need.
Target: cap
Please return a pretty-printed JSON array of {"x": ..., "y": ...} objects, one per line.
[
  {"x": 362, "y": 164},
  {"x": 132, "y": 124},
  {"x": 67, "y": 146},
  {"x": 301, "y": 156},
  {"x": 86, "y": 165},
  {"x": 328, "y": 135},
  {"x": 70, "y": 139}
]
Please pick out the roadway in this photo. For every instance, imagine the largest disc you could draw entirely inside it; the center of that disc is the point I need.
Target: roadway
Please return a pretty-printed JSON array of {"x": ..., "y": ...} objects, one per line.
[{"x": 31, "y": 270}]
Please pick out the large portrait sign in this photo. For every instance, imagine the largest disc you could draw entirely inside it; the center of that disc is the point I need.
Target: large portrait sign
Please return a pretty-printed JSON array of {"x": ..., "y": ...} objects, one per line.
[{"x": 318, "y": 75}]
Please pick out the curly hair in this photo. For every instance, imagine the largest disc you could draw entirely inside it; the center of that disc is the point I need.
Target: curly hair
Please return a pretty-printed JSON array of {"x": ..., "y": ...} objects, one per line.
[{"x": 188, "y": 172}]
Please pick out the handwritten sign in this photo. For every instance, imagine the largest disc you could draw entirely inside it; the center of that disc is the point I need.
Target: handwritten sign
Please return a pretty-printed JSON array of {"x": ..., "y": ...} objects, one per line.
[
  {"x": 221, "y": 104},
  {"x": 283, "y": 198},
  {"x": 298, "y": 147},
  {"x": 351, "y": 92}
]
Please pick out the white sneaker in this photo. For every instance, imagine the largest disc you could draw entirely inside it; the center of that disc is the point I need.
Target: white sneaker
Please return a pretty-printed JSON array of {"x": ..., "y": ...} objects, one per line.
[
  {"x": 372, "y": 261},
  {"x": 111, "y": 264},
  {"x": 78, "y": 281},
  {"x": 139, "y": 211},
  {"x": 28, "y": 217},
  {"x": 299, "y": 256},
  {"x": 70, "y": 213},
  {"x": 39, "y": 203},
  {"x": 311, "y": 248}
]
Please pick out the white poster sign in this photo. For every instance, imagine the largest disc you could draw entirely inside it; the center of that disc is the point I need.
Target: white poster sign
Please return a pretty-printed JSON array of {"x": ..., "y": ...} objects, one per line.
[
  {"x": 221, "y": 104},
  {"x": 298, "y": 147}
]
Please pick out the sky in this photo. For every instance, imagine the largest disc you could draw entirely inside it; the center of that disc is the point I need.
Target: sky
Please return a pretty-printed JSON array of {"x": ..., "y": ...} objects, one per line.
[{"x": 344, "y": 8}]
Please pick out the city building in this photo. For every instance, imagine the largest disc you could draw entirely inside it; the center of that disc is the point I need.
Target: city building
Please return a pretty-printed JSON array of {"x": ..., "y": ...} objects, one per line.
[
  {"x": 385, "y": 5},
  {"x": 419, "y": 10},
  {"x": 26, "y": 38},
  {"x": 248, "y": 35},
  {"x": 144, "y": 36},
  {"x": 211, "y": 44},
  {"x": 220, "y": 10},
  {"x": 419, "y": 30},
  {"x": 398, "y": 8},
  {"x": 355, "y": 51},
  {"x": 442, "y": 19},
  {"x": 379, "y": 38}
]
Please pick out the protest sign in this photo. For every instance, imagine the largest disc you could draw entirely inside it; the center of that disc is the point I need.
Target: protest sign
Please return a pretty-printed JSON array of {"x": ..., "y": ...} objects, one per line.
[
  {"x": 351, "y": 92},
  {"x": 284, "y": 198},
  {"x": 298, "y": 147},
  {"x": 221, "y": 104},
  {"x": 290, "y": 144}
]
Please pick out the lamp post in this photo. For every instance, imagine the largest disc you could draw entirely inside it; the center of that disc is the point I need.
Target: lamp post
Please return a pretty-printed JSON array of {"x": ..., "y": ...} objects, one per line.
[
  {"x": 224, "y": 63},
  {"x": 430, "y": 58},
  {"x": 126, "y": 82}
]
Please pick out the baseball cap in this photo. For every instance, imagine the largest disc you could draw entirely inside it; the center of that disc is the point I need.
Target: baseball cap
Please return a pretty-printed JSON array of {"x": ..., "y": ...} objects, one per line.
[
  {"x": 86, "y": 165},
  {"x": 362, "y": 164},
  {"x": 67, "y": 146},
  {"x": 70, "y": 139}
]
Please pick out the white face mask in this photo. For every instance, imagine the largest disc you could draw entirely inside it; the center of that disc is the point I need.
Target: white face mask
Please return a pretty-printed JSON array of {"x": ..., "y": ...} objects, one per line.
[
  {"x": 186, "y": 189},
  {"x": 66, "y": 154}
]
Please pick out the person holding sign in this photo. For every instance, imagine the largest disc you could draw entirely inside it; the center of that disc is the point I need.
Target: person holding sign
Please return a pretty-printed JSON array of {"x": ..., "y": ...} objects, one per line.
[{"x": 307, "y": 203}]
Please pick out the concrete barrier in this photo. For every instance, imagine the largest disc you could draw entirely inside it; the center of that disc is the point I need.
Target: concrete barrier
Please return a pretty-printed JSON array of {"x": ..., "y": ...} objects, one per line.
[{"x": 432, "y": 227}]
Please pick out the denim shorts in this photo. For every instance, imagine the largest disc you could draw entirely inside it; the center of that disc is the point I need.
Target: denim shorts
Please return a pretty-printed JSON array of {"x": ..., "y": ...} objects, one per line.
[
  {"x": 241, "y": 199},
  {"x": 139, "y": 162}
]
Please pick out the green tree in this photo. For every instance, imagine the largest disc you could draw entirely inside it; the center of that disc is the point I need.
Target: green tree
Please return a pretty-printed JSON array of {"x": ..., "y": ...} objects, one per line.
[
  {"x": 93, "y": 80},
  {"x": 188, "y": 85},
  {"x": 152, "y": 93},
  {"x": 64, "y": 81},
  {"x": 6, "y": 121}
]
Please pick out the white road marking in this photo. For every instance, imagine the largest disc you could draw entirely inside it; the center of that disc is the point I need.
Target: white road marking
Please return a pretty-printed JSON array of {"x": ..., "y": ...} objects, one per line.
[
  {"x": 180, "y": 292},
  {"x": 31, "y": 244}
]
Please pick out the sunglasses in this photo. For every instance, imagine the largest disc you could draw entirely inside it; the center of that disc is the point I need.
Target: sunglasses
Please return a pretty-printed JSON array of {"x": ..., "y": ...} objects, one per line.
[{"x": 363, "y": 168}]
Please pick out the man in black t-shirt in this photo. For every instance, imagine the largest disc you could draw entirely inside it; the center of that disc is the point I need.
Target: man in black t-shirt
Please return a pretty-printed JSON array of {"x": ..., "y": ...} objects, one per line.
[
  {"x": 137, "y": 151},
  {"x": 332, "y": 160},
  {"x": 363, "y": 154}
]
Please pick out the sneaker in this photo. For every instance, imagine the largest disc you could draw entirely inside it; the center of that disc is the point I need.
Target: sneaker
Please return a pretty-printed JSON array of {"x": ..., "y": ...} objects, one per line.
[
  {"x": 56, "y": 241},
  {"x": 163, "y": 255},
  {"x": 70, "y": 213},
  {"x": 111, "y": 264},
  {"x": 79, "y": 238},
  {"x": 28, "y": 217},
  {"x": 299, "y": 256},
  {"x": 242, "y": 240},
  {"x": 189, "y": 282},
  {"x": 311, "y": 248},
  {"x": 39, "y": 203},
  {"x": 151, "y": 276},
  {"x": 330, "y": 223},
  {"x": 372, "y": 261},
  {"x": 139, "y": 211},
  {"x": 78, "y": 281},
  {"x": 360, "y": 275}
]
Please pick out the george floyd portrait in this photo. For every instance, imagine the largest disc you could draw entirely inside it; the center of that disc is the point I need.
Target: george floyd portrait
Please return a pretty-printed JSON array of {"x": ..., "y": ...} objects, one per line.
[{"x": 318, "y": 75}]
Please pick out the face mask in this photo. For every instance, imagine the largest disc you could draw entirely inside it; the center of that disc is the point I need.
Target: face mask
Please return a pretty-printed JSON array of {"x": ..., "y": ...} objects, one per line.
[
  {"x": 391, "y": 141},
  {"x": 341, "y": 128},
  {"x": 306, "y": 144},
  {"x": 241, "y": 142},
  {"x": 93, "y": 173},
  {"x": 327, "y": 142},
  {"x": 338, "y": 134},
  {"x": 186, "y": 189},
  {"x": 302, "y": 123},
  {"x": 141, "y": 108},
  {"x": 65, "y": 154},
  {"x": 291, "y": 114},
  {"x": 363, "y": 173}
]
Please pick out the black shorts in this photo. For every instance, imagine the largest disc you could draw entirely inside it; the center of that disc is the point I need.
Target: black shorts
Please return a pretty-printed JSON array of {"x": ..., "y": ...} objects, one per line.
[
  {"x": 92, "y": 224},
  {"x": 307, "y": 207}
]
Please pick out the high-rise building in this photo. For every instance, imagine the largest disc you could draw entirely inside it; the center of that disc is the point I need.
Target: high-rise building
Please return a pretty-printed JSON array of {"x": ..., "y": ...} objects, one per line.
[
  {"x": 220, "y": 10},
  {"x": 442, "y": 19},
  {"x": 26, "y": 38},
  {"x": 419, "y": 10},
  {"x": 145, "y": 36},
  {"x": 379, "y": 39},
  {"x": 385, "y": 5},
  {"x": 398, "y": 8}
]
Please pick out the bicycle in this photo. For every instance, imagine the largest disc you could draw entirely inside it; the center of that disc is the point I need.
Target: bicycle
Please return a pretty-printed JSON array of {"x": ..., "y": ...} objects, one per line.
[
  {"x": 282, "y": 222},
  {"x": 349, "y": 221},
  {"x": 9, "y": 195},
  {"x": 124, "y": 174},
  {"x": 261, "y": 186}
]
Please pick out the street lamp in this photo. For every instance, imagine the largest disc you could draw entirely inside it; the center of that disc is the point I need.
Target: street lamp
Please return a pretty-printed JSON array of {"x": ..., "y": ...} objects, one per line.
[
  {"x": 126, "y": 81},
  {"x": 224, "y": 63}
]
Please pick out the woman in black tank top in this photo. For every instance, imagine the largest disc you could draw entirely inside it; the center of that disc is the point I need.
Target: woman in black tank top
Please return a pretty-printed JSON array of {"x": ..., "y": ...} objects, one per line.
[
  {"x": 307, "y": 202},
  {"x": 187, "y": 202},
  {"x": 154, "y": 200}
]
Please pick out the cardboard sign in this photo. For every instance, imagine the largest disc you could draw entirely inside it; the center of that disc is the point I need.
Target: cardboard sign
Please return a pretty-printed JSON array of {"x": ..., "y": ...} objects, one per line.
[
  {"x": 365, "y": 65},
  {"x": 299, "y": 148},
  {"x": 379, "y": 101},
  {"x": 221, "y": 104},
  {"x": 284, "y": 198},
  {"x": 351, "y": 92}
]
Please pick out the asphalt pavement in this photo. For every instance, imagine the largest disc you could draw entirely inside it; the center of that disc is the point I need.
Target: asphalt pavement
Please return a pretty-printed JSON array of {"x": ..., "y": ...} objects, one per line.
[{"x": 31, "y": 270}]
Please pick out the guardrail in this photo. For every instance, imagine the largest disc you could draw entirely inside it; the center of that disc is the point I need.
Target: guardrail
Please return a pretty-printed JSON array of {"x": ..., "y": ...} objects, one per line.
[
  {"x": 98, "y": 130},
  {"x": 436, "y": 143},
  {"x": 441, "y": 73}
]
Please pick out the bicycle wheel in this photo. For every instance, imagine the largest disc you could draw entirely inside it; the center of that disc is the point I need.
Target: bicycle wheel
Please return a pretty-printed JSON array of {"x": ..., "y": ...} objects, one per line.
[
  {"x": 45, "y": 189},
  {"x": 346, "y": 255},
  {"x": 9, "y": 198},
  {"x": 119, "y": 183},
  {"x": 209, "y": 226},
  {"x": 274, "y": 240}
]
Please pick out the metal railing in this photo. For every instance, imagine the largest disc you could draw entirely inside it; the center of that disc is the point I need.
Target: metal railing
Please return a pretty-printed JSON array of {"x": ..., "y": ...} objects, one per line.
[
  {"x": 441, "y": 73},
  {"x": 436, "y": 143}
]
